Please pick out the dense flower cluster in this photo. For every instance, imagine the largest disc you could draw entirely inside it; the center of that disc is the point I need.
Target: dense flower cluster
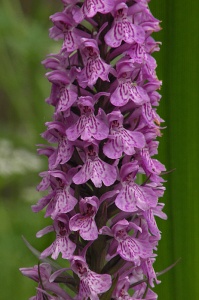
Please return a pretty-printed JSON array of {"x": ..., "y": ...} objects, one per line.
[{"x": 103, "y": 184}]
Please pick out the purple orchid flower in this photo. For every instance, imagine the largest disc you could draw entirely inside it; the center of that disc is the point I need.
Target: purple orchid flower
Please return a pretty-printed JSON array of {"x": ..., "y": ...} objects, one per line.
[
  {"x": 91, "y": 7},
  {"x": 94, "y": 66},
  {"x": 65, "y": 29},
  {"x": 62, "y": 242},
  {"x": 123, "y": 29},
  {"x": 95, "y": 169},
  {"x": 121, "y": 290},
  {"x": 120, "y": 139},
  {"x": 85, "y": 220},
  {"x": 127, "y": 88},
  {"x": 60, "y": 199},
  {"x": 133, "y": 197},
  {"x": 41, "y": 274},
  {"x": 129, "y": 248},
  {"x": 88, "y": 126},
  {"x": 64, "y": 151},
  {"x": 91, "y": 283},
  {"x": 103, "y": 181},
  {"x": 64, "y": 94}
]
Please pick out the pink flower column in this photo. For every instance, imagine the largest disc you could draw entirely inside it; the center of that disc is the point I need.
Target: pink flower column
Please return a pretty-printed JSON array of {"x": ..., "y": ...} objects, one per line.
[{"x": 103, "y": 184}]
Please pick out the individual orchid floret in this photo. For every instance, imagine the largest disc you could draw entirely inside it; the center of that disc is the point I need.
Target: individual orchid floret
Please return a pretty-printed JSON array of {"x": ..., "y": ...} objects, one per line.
[
  {"x": 56, "y": 61},
  {"x": 88, "y": 125},
  {"x": 151, "y": 166},
  {"x": 120, "y": 139},
  {"x": 149, "y": 216},
  {"x": 137, "y": 53},
  {"x": 147, "y": 21},
  {"x": 56, "y": 134},
  {"x": 95, "y": 169},
  {"x": 147, "y": 116},
  {"x": 123, "y": 29},
  {"x": 133, "y": 197},
  {"x": 91, "y": 7},
  {"x": 47, "y": 180},
  {"x": 128, "y": 247},
  {"x": 148, "y": 270},
  {"x": 60, "y": 199},
  {"x": 136, "y": 280},
  {"x": 63, "y": 200},
  {"x": 53, "y": 178},
  {"x": 127, "y": 89},
  {"x": 62, "y": 243},
  {"x": 94, "y": 66},
  {"x": 65, "y": 28},
  {"x": 91, "y": 283},
  {"x": 84, "y": 222},
  {"x": 121, "y": 290},
  {"x": 41, "y": 274},
  {"x": 63, "y": 92}
]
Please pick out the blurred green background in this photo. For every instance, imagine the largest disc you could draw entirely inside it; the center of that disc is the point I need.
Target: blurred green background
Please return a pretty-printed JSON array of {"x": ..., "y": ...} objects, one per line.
[{"x": 24, "y": 43}]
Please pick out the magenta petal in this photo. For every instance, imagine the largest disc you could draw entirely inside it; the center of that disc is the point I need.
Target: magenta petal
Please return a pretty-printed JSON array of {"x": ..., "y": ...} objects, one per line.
[
  {"x": 149, "y": 216},
  {"x": 113, "y": 148},
  {"x": 98, "y": 171},
  {"x": 94, "y": 69},
  {"x": 64, "y": 202},
  {"x": 66, "y": 99},
  {"x": 62, "y": 154},
  {"x": 94, "y": 284},
  {"x": 99, "y": 283},
  {"x": 45, "y": 182},
  {"x": 132, "y": 197},
  {"x": 74, "y": 131},
  {"x": 85, "y": 225},
  {"x": 132, "y": 139},
  {"x": 124, "y": 30},
  {"x": 120, "y": 96},
  {"x": 61, "y": 244},
  {"x": 83, "y": 175},
  {"x": 132, "y": 249},
  {"x": 48, "y": 251},
  {"x": 91, "y": 7},
  {"x": 138, "y": 95},
  {"x": 42, "y": 202}
]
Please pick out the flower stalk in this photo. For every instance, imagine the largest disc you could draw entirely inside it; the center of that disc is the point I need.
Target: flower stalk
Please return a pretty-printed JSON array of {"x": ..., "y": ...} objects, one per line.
[{"x": 103, "y": 184}]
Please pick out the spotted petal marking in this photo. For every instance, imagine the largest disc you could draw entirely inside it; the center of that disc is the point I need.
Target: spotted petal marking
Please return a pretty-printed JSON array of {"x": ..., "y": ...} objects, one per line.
[
  {"x": 149, "y": 216},
  {"x": 70, "y": 44},
  {"x": 62, "y": 154},
  {"x": 120, "y": 96},
  {"x": 148, "y": 114},
  {"x": 132, "y": 249},
  {"x": 123, "y": 141},
  {"x": 98, "y": 171},
  {"x": 85, "y": 225},
  {"x": 124, "y": 30},
  {"x": 63, "y": 202},
  {"x": 149, "y": 164},
  {"x": 94, "y": 69},
  {"x": 131, "y": 198},
  {"x": 91, "y": 7},
  {"x": 60, "y": 245},
  {"x": 128, "y": 91},
  {"x": 87, "y": 127},
  {"x": 66, "y": 99},
  {"x": 94, "y": 284}
]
